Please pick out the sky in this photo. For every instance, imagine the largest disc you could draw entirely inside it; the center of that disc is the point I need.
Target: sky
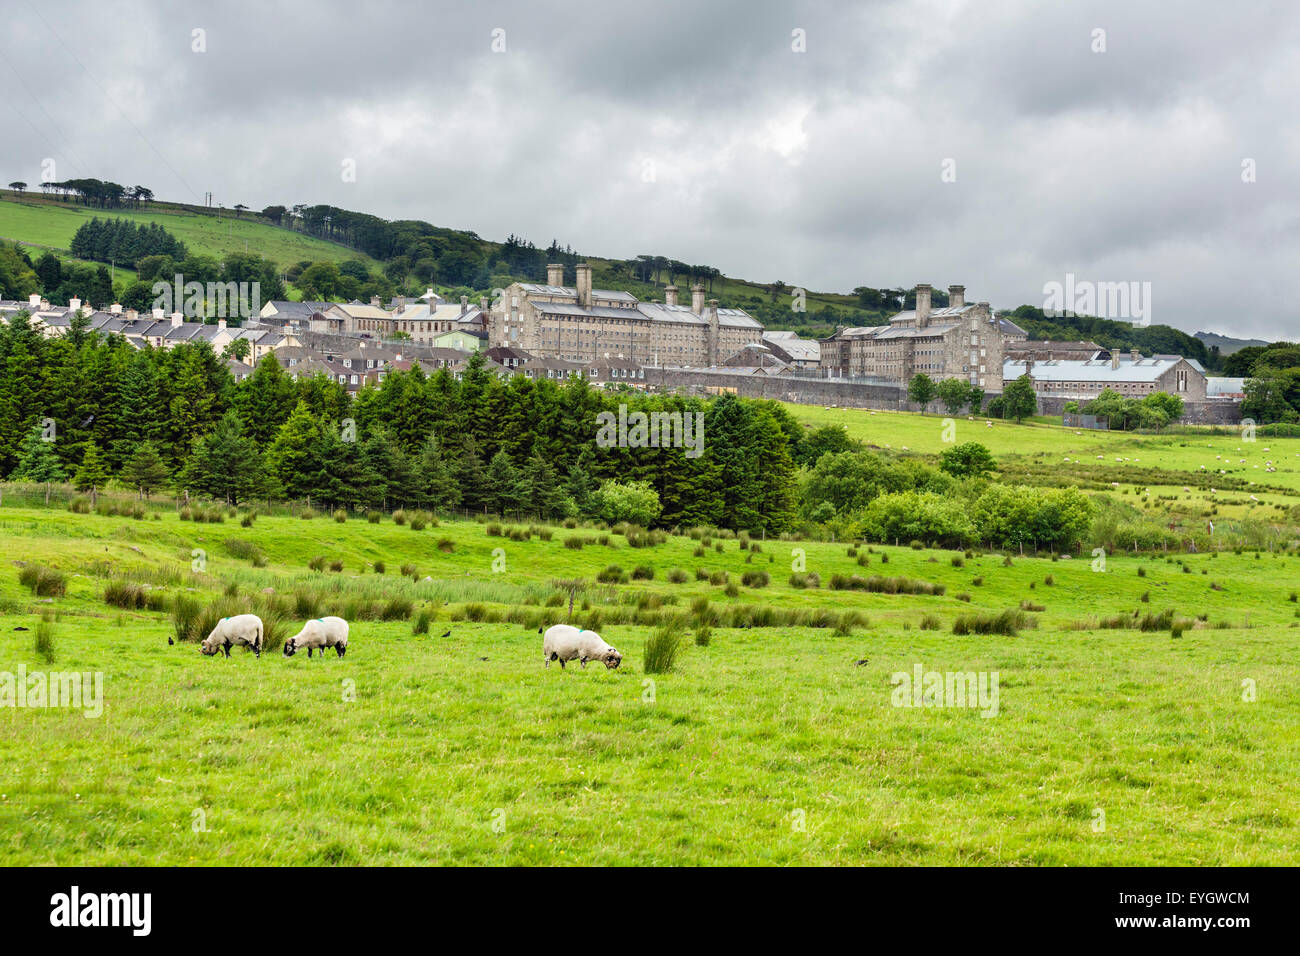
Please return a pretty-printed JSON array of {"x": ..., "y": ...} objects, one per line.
[{"x": 1004, "y": 146}]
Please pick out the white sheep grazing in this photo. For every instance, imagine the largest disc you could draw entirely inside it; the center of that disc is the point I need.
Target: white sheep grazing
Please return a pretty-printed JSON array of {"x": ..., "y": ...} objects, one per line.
[
  {"x": 564, "y": 642},
  {"x": 319, "y": 634},
  {"x": 240, "y": 629}
]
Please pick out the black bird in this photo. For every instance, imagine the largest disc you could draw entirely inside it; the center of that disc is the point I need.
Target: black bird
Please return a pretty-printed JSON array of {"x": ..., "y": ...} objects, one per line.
[
  {"x": 20, "y": 628},
  {"x": 482, "y": 658},
  {"x": 448, "y": 634},
  {"x": 864, "y": 660},
  {"x": 539, "y": 630},
  {"x": 170, "y": 642}
]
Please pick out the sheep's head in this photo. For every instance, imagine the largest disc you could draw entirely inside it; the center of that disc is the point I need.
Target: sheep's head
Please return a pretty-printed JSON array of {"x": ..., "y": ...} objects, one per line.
[
  {"x": 290, "y": 646},
  {"x": 613, "y": 658},
  {"x": 208, "y": 647}
]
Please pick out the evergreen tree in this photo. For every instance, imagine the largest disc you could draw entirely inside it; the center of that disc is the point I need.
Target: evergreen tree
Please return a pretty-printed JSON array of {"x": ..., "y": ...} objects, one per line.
[
  {"x": 437, "y": 485},
  {"x": 37, "y": 460},
  {"x": 544, "y": 495},
  {"x": 226, "y": 463},
  {"x": 93, "y": 472},
  {"x": 293, "y": 457},
  {"x": 399, "y": 479},
  {"x": 145, "y": 470},
  {"x": 506, "y": 487},
  {"x": 470, "y": 476}
]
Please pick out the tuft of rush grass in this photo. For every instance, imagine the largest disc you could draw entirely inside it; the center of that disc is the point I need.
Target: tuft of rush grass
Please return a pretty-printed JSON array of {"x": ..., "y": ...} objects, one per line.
[{"x": 662, "y": 647}]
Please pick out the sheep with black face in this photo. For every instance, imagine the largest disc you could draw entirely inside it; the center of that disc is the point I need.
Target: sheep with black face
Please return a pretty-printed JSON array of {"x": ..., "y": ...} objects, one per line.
[
  {"x": 564, "y": 642},
  {"x": 241, "y": 629},
  {"x": 319, "y": 634}
]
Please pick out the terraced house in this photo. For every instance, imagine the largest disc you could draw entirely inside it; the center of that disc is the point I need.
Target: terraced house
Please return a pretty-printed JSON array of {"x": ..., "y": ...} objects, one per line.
[
  {"x": 582, "y": 324},
  {"x": 959, "y": 340}
]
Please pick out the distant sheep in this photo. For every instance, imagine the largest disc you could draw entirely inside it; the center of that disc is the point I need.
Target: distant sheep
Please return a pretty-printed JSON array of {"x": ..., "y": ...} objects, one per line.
[
  {"x": 240, "y": 629},
  {"x": 563, "y": 642},
  {"x": 319, "y": 634}
]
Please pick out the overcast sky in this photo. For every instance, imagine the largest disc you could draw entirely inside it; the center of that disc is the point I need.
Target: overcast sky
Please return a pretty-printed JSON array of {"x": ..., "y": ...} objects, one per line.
[{"x": 695, "y": 130}]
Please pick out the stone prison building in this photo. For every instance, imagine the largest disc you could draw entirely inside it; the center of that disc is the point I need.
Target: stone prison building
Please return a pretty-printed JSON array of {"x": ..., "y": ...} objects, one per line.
[{"x": 583, "y": 324}]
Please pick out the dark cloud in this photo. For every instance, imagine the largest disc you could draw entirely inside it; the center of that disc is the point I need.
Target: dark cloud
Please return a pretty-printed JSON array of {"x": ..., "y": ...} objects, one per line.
[{"x": 820, "y": 168}]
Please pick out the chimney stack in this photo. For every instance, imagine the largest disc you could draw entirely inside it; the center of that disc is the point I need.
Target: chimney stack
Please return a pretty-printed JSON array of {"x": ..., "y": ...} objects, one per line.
[
  {"x": 584, "y": 285},
  {"x": 34, "y": 300},
  {"x": 74, "y": 305},
  {"x": 464, "y": 304},
  {"x": 221, "y": 323},
  {"x": 670, "y": 295},
  {"x": 1134, "y": 355},
  {"x": 697, "y": 298},
  {"x": 115, "y": 308},
  {"x": 922, "y": 305},
  {"x": 374, "y": 300},
  {"x": 1114, "y": 360},
  {"x": 483, "y": 304},
  {"x": 158, "y": 314},
  {"x": 711, "y": 342},
  {"x": 956, "y": 296},
  {"x": 177, "y": 319},
  {"x": 555, "y": 274}
]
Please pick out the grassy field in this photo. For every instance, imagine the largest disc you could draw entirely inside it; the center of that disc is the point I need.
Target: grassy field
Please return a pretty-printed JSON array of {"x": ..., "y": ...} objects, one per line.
[
  {"x": 770, "y": 745},
  {"x": 43, "y": 223}
]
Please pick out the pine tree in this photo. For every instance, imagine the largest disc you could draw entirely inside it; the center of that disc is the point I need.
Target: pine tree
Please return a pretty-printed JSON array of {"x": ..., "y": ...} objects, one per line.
[
  {"x": 437, "y": 485},
  {"x": 37, "y": 460},
  {"x": 470, "y": 476},
  {"x": 544, "y": 493},
  {"x": 506, "y": 488},
  {"x": 93, "y": 472},
  {"x": 398, "y": 478},
  {"x": 145, "y": 469},
  {"x": 226, "y": 463},
  {"x": 293, "y": 457}
]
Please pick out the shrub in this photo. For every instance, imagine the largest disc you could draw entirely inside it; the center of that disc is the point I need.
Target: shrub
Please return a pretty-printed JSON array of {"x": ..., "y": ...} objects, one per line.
[
  {"x": 43, "y": 581},
  {"x": 1006, "y": 622},
  {"x": 963, "y": 596},
  {"x": 340, "y": 516},
  {"x": 307, "y": 514},
  {"x": 661, "y": 648},
  {"x": 978, "y": 582},
  {"x": 703, "y": 635},
  {"x": 755, "y": 579},
  {"x": 1049, "y": 581},
  {"x": 643, "y": 572},
  {"x": 574, "y": 543},
  {"x": 612, "y": 574},
  {"x": 882, "y": 585},
  {"x": 493, "y": 530},
  {"x": 701, "y": 574},
  {"x": 79, "y": 505},
  {"x": 1028, "y": 605},
  {"x": 380, "y": 567},
  {"x": 44, "y": 644},
  {"x": 418, "y": 522},
  {"x": 246, "y": 550},
  {"x": 185, "y": 618},
  {"x": 124, "y": 594},
  {"x": 731, "y": 590},
  {"x": 336, "y": 565},
  {"x": 958, "y": 561},
  {"x": 678, "y": 576},
  {"x": 396, "y": 609},
  {"x": 930, "y": 622},
  {"x": 317, "y": 563},
  {"x": 408, "y": 571},
  {"x": 421, "y": 625},
  {"x": 807, "y": 580},
  {"x": 399, "y": 516},
  {"x": 446, "y": 545}
]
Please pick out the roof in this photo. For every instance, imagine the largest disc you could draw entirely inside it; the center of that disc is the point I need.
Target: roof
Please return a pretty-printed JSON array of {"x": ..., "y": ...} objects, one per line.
[
  {"x": 1224, "y": 386},
  {"x": 1083, "y": 370},
  {"x": 1007, "y": 327},
  {"x": 806, "y": 350},
  {"x": 610, "y": 294}
]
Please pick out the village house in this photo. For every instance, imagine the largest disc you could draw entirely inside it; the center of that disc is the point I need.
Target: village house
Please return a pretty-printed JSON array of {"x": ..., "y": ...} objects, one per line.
[{"x": 1130, "y": 375}]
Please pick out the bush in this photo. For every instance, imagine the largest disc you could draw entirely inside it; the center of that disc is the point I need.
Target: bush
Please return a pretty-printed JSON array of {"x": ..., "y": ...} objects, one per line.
[
  {"x": 307, "y": 514},
  {"x": 399, "y": 516},
  {"x": 446, "y": 545},
  {"x": 809, "y": 580},
  {"x": 185, "y": 618},
  {"x": 574, "y": 543},
  {"x": 421, "y": 625},
  {"x": 493, "y": 530},
  {"x": 124, "y": 594},
  {"x": 755, "y": 579},
  {"x": 643, "y": 572},
  {"x": 408, "y": 571},
  {"x": 396, "y": 609},
  {"x": 678, "y": 576},
  {"x": 882, "y": 585},
  {"x": 703, "y": 635},
  {"x": 336, "y": 565},
  {"x": 44, "y": 644},
  {"x": 1028, "y": 605},
  {"x": 317, "y": 563},
  {"x": 340, "y": 516},
  {"x": 1006, "y": 622},
  {"x": 612, "y": 574},
  {"x": 931, "y": 622},
  {"x": 661, "y": 648},
  {"x": 245, "y": 550},
  {"x": 43, "y": 581},
  {"x": 380, "y": 567}
]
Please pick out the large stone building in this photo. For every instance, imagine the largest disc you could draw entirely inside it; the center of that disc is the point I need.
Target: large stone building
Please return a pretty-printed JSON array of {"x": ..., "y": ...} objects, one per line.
[
  {"x": 583, "y": 324},
  {"x": 959, "y": 340},
  {"x": 1131, "y": 375}
]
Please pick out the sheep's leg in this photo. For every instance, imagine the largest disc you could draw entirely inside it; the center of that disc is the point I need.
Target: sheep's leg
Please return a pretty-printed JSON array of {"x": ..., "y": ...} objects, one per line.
[
  {"x": 309, "y": 652},
  {"x": 583, "y": 662},
  {"x": 341, "y": 649},
  {"x": 561, "y": 660},
  {"x": 226, "y": 647}
]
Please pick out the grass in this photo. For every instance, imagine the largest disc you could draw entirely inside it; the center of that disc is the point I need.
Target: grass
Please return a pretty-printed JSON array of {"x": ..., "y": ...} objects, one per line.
[
  {"x": 40, "y": 222},
  {"x": 767, "y": 714}
]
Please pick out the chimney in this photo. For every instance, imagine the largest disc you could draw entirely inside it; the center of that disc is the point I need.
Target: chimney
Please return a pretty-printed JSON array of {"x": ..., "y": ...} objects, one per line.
[
  {"x": 670, "y": 295},
  {"x": 1114, "y": 360},
  {"x": 132, "y": 315},
  {"x": 158, "y": 314},
  {"x": 464, "y": 304},
  {"x": 956, "y": 296},
  {"x": 1133, "y": 354},
  {"x": 74, "y": 304},
  {"x": 115, "y": 308},
  {"x": 555, "y": 274},
  {"x": 697, "y": 298},
  {"x": 34, "y": 300},
  {"x": 584, "y": 285},
  {"x": 374, "y": 300},
  {"x": 177, "y": 319},
  {"x": 45, "y": 305},
  {"x": 922, "y": 305},
  {"x": 221, "y": 323},
  {"x": 483, "y": 304},
  {"x": 711, "y": 341}
]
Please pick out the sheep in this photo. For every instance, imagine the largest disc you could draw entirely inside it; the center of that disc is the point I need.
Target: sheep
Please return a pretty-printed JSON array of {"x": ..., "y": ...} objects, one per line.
[
  {"x": 240, "y": 629},
  {"x": 319, "y": 634},
  {"x": 563, "y": 642}
]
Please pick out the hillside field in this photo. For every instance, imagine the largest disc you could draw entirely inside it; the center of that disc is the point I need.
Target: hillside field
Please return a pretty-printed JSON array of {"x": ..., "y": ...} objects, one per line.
[
  {"x": 41, "y": 223},
  {"x": 776, "y": 743}
]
